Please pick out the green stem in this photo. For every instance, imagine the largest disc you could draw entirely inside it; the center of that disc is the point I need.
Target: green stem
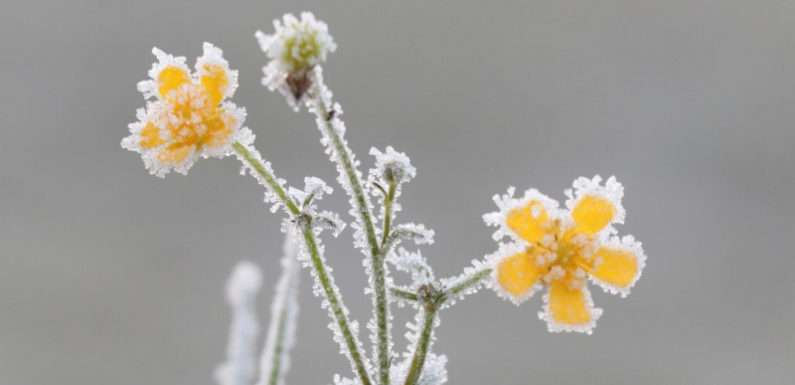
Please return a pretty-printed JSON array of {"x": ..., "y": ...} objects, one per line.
[
  {"x": 389, "y": 199},
  {"x": 404, "y": 294},
  {"x": 334, "y": 302},
  {"x": 269, "y": 178},
  {"x": 273, "y": 378},
  {"x": 323, "y": 276},
  {"x": 421, "y": 350},
  {"x": 343, "y": 158},
  {"x": 473, "y": 280}
]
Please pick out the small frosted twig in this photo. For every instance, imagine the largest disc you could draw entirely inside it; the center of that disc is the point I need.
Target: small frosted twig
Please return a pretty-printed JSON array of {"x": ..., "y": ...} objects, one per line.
[
  {"x": 350, "y": 343},
  {"x": 332, "y": 129},
  {"x": 241, "y": 294},
  {"x": 432, "y": 300},
  {"x": 264, "y": 174},
  {"x": 469, "y": 281},
  {"x": 337, "y": 310},
  {"x": 389, "y": 199},
  {"x": 403, "y": 294},
  {"x": 284, "y": 313}
]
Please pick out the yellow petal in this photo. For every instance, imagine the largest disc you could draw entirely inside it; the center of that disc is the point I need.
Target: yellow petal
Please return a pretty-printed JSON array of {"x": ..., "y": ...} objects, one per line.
[
  {"x": 617, "y": 268},
  {"x": 171, "y": 78},
  {"x": 219, "y": 130},
  {"x": 517, "y": 274},
  {"x": 530, "y": 222},
  {"x": 569, "y": 308},
  {"x": 215, "y": 81},
  {"x": 175, "y": 154},
  {"x": 150, "y": 136},
  {"x": 593, "y": 213}
]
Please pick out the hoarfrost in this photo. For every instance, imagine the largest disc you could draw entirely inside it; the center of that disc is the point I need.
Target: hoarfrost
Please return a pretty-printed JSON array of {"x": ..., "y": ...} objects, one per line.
[
  {"x": 337, "y": 310},
  {"x": 275, "y": 359},
  {"x": 241, "y": 292},
  {"x": 414, "y": 264}
]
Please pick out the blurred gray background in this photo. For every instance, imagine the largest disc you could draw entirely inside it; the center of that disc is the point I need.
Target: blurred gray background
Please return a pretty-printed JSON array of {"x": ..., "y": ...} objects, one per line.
[{"x": 111, "y": 276}]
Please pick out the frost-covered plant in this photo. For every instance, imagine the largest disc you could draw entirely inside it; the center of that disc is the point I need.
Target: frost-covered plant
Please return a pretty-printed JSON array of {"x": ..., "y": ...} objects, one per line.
[{"x": 187, "y": 117}]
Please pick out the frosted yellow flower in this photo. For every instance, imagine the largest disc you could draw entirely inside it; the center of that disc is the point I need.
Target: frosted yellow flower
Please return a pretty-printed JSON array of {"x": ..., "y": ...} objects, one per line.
[
  {"x": 188, "y": 116},
  {"x": 561, "y": 248}
]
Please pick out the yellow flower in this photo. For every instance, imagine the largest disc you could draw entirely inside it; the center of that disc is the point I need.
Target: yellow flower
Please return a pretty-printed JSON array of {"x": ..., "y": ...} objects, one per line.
[
  {"x": 188, "y": 117},
  {"x": 561, "y": 248}
]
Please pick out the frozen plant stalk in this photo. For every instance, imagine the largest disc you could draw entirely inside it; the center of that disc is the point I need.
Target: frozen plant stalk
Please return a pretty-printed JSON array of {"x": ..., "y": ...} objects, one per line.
[
  {"x": 284, "y": 313},
  {"x": 540, "y": 245},
  {"x": 241, "y": 293}
]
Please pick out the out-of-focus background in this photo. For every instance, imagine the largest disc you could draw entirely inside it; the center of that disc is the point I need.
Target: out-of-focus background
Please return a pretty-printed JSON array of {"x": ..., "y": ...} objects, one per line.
[{"x": 111, "y": 276}]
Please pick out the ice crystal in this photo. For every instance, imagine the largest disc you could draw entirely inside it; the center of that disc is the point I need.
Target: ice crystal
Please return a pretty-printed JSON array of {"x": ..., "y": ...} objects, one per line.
[
  {"x": 241, "y": 291},
  {"x": 434, "y": 372},
  {"x": 318, "y": 289},
  {"x": 332, "y": 129},
  {"x": 248, "y": 167},
  {"x": 415, "y": 265},
  {"x": 189, "y": 117},
  {"x": 275, "y": 360},
  {"x": 295, "y": 48},
  {"x": 391, "y": 166},
  {"x": 417, "y": 233}
]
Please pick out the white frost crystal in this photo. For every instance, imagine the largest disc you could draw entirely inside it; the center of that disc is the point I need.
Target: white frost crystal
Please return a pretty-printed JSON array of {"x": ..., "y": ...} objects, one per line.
[
  {"x": 295, "y": 47},
  {"x": 392, "y": 165},
  {"x": 414, "y": 264},
  {"x": 241, "y": 292},
  {"x": 275, "y": 359}
]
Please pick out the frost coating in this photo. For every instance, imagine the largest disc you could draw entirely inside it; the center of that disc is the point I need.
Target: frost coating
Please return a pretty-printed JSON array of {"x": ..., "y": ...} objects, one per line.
[
  {"x": 391, "y": 165},
  {"x": 241, "y": 292},
  {"x": 563, "y": 248},
  {"x": 434, "y": 372},
  {"x": 557, "y": 327},
  {"x": 189, "y": 117},
  {"x": 505, "y": 251},
  {"x": 296, "y": 46},
  {"x": 415, "y": 232},
  {"x": 630, "y": 244},
  {"x": 328, "y": 291},
  {"x": 415, "y": 265},
  {"x": 612, "y": 190},
  {"x": 275, "y": 360},
  {"x": 507, "y": 202}
]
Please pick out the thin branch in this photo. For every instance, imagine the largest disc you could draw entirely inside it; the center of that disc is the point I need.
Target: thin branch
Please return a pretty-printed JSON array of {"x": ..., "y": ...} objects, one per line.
[
  {"x": 344, "y": 159},
  {"x": 351, "y": 343}
]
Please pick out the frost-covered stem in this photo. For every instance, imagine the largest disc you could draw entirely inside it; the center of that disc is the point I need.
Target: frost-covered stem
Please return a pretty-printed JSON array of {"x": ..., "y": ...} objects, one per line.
[
  {"x": 404, "y": 294},
  {"x": 431, "y": 302},
  {"x": 389, "y": 199},
  {"x": 266, "y": 175},
  {"x": 334, "y": 303},
  {"x": 343, "y": 159},
  {"x": 323, "y": 275},
  {"x": 470, "y": 281},
  {"x": 284, "y": 310}
]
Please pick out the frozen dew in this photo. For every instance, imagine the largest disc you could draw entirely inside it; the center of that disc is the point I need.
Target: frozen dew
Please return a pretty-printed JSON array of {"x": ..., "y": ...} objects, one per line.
[
  {"x": 415, "y": 265},
  {"x": 275, "y": 359},
  {"x": 417, "y": 233},
  {"x": 188, "y": 116},
  {"x": 296, "y": 47},
  {"x": 241, "y": 292},
  {"x": 391, "y": 166}
]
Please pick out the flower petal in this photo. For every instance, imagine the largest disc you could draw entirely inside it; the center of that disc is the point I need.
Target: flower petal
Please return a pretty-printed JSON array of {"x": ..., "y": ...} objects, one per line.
[
  {"x": 517, "y": 272},
  {"x": 568, "y": 308},
  {"x": 214, "y": 74},
  {"x": 530, "y": 218},
  {"x": 618, "y": 264},
  {"x": 593, "y": 206}
]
